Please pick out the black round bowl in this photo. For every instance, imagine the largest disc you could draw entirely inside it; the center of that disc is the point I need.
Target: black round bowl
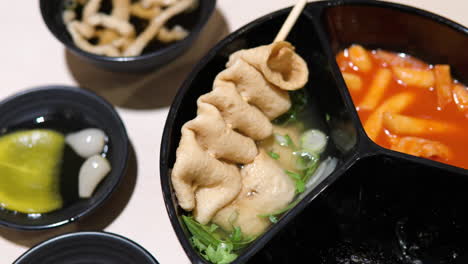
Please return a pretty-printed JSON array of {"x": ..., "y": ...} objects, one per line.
[
  {"x": 372, "y": 189},
  {"x": 87, "y": 248},
  {"x": 81, "y": 109},
  {"x": 151, "y": 58}
]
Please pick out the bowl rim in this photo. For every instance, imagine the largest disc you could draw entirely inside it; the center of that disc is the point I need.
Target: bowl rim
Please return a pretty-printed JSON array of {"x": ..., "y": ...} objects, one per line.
[
  {"x": 201, "y": 21},
  {"x": 122, "y": 167},
  {"x": 318, "y": 9},
  {"x": 110, "y": 237},
  {"x": 325, "y": 4}
]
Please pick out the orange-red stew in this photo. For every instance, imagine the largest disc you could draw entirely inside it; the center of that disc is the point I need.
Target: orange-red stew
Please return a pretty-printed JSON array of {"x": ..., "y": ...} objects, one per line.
[{"x": 408, "y": 105}]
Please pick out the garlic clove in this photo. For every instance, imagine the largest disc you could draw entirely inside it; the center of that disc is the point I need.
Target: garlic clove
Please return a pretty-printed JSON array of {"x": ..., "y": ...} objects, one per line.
[
  {"x": 87, "y": 142},
  {"x": 93, "y": 170}
]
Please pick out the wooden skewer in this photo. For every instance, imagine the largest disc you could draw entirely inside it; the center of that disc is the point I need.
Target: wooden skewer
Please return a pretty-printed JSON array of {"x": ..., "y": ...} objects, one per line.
[{"x": 290, "y": 21}]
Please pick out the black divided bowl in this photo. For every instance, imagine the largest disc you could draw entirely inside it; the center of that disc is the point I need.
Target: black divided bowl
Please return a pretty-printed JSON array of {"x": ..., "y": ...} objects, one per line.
[
  {"x": 152, "y": 57},
  {"x": 67, "y": 109},
  {"x": 87, "y": 248},
  {"x": 378, "y": 206}
]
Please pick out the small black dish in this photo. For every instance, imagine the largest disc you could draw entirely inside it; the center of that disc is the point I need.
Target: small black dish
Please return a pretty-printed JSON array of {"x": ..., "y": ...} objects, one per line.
[
  {"x": 66, "y": 109},
  {"x": 322, "y": 30},
  {"x": 151, "y": 58},
  {"x": 87, "y": 248}
]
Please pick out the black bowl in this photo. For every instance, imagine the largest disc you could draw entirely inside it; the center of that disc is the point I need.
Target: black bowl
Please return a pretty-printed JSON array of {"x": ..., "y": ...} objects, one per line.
[
  {"x": 87, "y": 248},
  {"x": 151, "y": 58},
  {"x": 67, "y": 109},
  {"x": 333, "y": 101},
  {"x": 321, "y": 31}
]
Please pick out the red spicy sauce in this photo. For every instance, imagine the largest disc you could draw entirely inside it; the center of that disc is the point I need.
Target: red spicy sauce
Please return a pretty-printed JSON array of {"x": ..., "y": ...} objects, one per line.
[{"x": 425, "y": 106}]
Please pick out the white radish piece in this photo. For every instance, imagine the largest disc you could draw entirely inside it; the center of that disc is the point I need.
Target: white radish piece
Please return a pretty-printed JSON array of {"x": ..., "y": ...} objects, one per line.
[
  {"x": 87, "y": 142},
  {"x": 314, "y": 141},
  {"x": 91, "y": 174}
]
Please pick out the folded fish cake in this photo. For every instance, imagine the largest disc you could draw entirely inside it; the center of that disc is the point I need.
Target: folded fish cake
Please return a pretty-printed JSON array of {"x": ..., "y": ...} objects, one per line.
[
  {"x": 250, "y": 92},
  {"x": 266, "y": 188},
  {"x": 201, "y": 181},
  {"x": 219, "y": 139},
  {"x": 237, "y": 113},
  {"x": 254, "y": 89},
  {"x": 278, "y": 63}
]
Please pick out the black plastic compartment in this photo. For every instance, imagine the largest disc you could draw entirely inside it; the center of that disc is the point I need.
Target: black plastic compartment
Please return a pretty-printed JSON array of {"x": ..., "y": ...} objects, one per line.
[
  {"x": 377, "y": 202},
  {"x": 397, "y": 28},
  {"x": 382, "y": 211}
]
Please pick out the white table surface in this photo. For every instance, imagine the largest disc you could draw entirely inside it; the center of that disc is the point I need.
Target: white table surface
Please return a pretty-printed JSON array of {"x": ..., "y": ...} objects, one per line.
[{"x": 31, "y": 56}]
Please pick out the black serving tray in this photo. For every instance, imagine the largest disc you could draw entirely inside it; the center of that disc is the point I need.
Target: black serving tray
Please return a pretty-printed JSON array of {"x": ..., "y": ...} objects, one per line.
[{"x": 378, "y": 206}]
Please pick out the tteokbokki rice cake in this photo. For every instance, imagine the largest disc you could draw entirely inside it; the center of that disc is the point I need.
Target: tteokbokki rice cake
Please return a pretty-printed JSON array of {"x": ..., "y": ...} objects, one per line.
[{"x": 408, "y": 105}]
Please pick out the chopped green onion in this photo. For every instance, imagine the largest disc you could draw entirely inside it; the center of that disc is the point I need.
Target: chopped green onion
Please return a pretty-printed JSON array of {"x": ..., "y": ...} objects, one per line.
[
  {"x": 202, "y": 233},
  {"x": 213, "y": 228},
  {"x": 273, "y": 216},
  {"x": 207, "y": 240},
  {"x": 197, "y": 243},
  {"x": 211, "y": 254},
  {"x": 236, "y": 234},
  {"x": 281, "y": 140},
  {"x": 300, "y": 184},
  {"x": 274, "y": 155},
  {"x": 290, "y": 142},
  {"x": 293, "y": 175},
  {"x": 305, "y": 160},
  {"x": 273, "y": 219},
  {"x": 222, "y": 254},
  {"x": 243, "y": 243},
  {"x": 298, "y": 103},
  {"x": 284, "y": 141}
]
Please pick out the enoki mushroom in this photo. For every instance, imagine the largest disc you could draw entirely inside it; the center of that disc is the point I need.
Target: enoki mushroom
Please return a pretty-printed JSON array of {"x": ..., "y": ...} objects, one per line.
[{"x": 113, "y": 34}]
